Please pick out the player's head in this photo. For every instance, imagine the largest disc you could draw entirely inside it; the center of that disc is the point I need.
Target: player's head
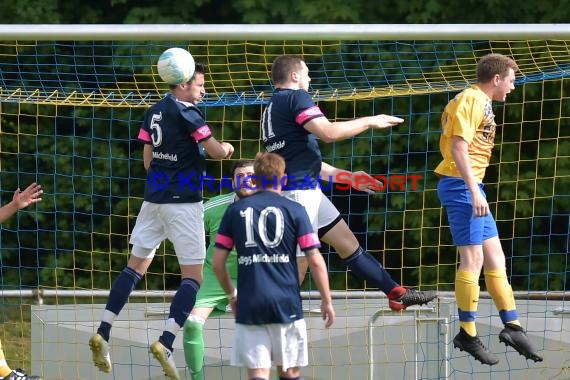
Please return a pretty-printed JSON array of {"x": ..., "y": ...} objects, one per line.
[
  {"x": 271, "y": 167},
  {"x": 497, "y": 72},
  {"x": 241, "y": 172},
  {"x": 290, "y": 71},
  {"x": 194, "y": 90}
]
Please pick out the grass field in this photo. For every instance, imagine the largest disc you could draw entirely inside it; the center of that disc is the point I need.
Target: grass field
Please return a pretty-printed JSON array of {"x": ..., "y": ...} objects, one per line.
[{"x": 15, "y": 334}]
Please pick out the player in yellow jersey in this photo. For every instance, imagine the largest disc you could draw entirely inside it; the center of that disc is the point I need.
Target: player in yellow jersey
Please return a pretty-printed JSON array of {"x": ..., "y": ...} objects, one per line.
[{"x": 466, "y": 144}]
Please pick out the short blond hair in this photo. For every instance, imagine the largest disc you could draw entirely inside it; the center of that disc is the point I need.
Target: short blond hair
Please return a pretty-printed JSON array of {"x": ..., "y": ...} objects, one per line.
[{"x": 269, "y": 165}]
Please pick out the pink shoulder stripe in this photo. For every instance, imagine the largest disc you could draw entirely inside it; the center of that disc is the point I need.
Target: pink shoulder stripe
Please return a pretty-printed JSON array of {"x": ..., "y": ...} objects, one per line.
[
  {"x": 309, "y": 113},
  {"x": 202, "y": 133},
  {"x": 308, "y": 241},
  {"x": 144, "y": 136},
  {"x": 225, "y": 241}
]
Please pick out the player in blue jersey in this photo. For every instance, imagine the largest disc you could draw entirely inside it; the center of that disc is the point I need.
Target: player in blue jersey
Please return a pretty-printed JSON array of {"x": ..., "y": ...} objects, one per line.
[
  {"x": 291, "y": 124},
  {"x": 265, "y": 229},
  {"x": 211, "y": 297},
  {"x": 21, "y": 199},
  {"x": 172, "y": 131}
]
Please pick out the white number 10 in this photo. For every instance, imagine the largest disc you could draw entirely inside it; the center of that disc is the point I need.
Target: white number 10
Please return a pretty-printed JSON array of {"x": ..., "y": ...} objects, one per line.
[{"x": 261, "y": 226}]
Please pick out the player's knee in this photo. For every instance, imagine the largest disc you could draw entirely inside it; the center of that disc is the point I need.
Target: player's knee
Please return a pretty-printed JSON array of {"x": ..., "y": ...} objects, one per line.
[{"x": 193, "y": 325}]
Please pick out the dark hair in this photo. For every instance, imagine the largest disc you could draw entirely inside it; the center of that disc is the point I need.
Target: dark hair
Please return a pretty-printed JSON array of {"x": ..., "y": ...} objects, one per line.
[
  {"x": 199, "y": 68},
  {"x": 238, "y": 165},
  {"x": 283, "y": 66},
  {"x": 494, "y": 64}
]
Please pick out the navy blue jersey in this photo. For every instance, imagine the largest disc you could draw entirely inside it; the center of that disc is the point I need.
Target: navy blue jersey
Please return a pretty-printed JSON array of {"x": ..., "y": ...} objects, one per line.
[
  {"x": 174, "y": 129},
  {"x": 265, "y": 229},
  {"x": 284, "y": 134}
]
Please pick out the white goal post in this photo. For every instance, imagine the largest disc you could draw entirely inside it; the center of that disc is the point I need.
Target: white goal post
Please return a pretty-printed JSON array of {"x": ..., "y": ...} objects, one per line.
[{"x": 136, "y": 32}]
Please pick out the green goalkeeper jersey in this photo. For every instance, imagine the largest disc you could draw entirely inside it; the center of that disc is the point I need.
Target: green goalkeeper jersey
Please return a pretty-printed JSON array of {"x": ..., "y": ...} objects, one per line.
[{"x": 214, "y": 210}]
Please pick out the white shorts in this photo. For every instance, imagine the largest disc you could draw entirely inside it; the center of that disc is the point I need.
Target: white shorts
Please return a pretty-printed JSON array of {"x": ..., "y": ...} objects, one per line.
[
  {"x": 320, "y": 209},
  {"x": 181, "y": 223},
  {"x": 256, "y": 346}
]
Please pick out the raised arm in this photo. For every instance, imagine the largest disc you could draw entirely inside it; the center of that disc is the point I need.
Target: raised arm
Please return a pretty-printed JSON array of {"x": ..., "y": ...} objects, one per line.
[
  {"x": 358, "y": 180},
  {"x": 334, "y": 131},
  {"x": 21, "y": 199}
]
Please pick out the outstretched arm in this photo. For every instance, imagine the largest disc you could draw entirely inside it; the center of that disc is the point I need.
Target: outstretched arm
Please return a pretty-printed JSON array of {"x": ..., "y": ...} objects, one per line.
[
  {"x": 21, "y": 199},
  {"x": 358, "y": 180},
  {"x": 334, "y": 131}
]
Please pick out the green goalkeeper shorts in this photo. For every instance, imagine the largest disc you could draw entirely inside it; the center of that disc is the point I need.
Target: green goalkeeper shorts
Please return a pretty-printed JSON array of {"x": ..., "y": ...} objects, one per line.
[{"x": 211, "y": 293}]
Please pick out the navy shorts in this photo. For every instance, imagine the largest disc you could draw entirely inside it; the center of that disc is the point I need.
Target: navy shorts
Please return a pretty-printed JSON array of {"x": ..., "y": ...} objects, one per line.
[{"x": 466, "y": 229}]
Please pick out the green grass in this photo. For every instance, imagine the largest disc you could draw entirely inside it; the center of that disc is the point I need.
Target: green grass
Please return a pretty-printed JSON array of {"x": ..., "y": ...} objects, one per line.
[{"x": 15, "y": 330}]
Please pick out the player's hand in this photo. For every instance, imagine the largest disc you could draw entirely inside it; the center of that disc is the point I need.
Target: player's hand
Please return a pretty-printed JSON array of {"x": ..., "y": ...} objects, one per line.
[
  {"x": 480, "y": 205},
  {"x": 384, "y": 121},
  {"x": 327, "y": 313},
  {"x": 233, "y": 305},
  {"x": 31, "y": 194},
  {"x": 228, "y": 148},
  {"x": 363, "y": 181}
]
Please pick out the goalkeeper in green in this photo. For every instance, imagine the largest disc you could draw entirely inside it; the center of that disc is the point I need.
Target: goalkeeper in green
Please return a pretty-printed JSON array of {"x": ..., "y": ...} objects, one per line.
[{"x": 211, "y": 297}]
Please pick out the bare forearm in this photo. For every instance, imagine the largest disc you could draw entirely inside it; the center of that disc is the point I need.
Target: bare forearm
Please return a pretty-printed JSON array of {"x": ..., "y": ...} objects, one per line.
[
  {"x": 216, "y": 149},
  {"x": 330, "y": 171},
  {"x": 460, "y": 155},
  {"x": 7, "y": 211},
  {"x": 341, "y": 130},
  {"x": 320, "y": 275},
  {"x": 221, "y": 271},
  {"x": 147, "y": 156}
]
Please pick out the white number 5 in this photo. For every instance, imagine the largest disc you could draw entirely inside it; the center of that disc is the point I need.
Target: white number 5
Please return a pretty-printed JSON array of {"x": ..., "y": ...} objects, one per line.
[{"x": 156, "y": 136}]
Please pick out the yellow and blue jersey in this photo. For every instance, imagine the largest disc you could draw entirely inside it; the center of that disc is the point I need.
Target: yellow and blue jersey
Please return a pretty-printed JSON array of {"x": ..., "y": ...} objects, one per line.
[{"x": 470, "y": 116}]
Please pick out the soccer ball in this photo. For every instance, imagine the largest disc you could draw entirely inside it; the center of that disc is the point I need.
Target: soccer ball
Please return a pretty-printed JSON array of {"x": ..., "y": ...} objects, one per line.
[{"x": 176, "y": 66}]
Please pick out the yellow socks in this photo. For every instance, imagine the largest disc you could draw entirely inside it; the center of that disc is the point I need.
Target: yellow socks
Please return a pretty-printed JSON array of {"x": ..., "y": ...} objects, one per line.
[
  {"x": 467, "y": 297},
  {"x": 502, "y": 293}
]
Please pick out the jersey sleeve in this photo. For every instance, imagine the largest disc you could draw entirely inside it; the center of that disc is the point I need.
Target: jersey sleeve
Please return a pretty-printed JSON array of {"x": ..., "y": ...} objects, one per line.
[
  {"x": 304, "y": 108},
  {"x": 224, "y": 237},
  {"x": 144, "y": 132},
  {"x": 306, "y": 236},
  {"x": 463, "y": 122},
  {"x": 197, "y": 126}
]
